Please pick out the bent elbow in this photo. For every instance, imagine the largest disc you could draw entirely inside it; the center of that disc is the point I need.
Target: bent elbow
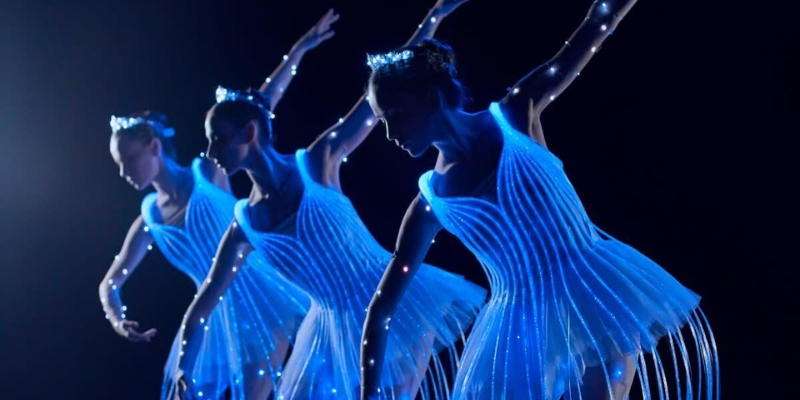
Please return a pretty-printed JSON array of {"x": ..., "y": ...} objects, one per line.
[{"x": 106, "y": 286}]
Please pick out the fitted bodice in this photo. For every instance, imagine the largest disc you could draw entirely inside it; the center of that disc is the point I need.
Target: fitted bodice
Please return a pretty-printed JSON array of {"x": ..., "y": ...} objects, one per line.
[
  {"x": 536, "y": 220},
  {"x": 330, "y": 253},
  {"x": 191, "y": 245}
]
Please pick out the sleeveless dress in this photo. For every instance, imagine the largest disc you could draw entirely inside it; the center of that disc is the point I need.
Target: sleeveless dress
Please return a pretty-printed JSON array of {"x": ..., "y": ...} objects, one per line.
[
  {"x": 564, "y": 294},
  {"x": 257, "y": 306},
  {"x": 328, "y": 252}
]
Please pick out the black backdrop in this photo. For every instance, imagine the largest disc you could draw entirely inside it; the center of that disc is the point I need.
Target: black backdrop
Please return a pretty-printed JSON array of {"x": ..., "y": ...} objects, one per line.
[{"x": 675, "y": 136}]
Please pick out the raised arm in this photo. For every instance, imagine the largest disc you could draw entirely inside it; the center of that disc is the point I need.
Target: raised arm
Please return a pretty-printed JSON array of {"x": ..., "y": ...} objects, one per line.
[
  {"x": 341, "y": 139},
  {"x": 130, "y": 255},
  {"x": 528, "y": 97},
  {"x": 231, "y": 253},
  {"x": 417, "y": 231},
  {"x": 274, "y": 86}
]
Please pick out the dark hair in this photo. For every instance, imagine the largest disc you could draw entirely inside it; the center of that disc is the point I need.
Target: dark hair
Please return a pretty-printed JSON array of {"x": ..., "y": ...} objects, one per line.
[
  {"x": 239, "y": 112},
  {"x": 158, "y": 128},
  {"x": 433, "y": 64}
]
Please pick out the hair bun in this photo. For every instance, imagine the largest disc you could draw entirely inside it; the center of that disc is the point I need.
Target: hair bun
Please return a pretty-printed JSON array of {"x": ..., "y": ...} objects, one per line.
[
  {"x": 259, "y": 98},
  {"x": 159, "y": 123},
  {"x": 440, "y": 56},
  {"x": 154, "y": 116}
]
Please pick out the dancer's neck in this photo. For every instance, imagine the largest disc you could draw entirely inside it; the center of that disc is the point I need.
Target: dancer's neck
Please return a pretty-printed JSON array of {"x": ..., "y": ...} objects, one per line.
[
  {"x": 172, "y": 180},
  {"x": 268, "y": 170}
]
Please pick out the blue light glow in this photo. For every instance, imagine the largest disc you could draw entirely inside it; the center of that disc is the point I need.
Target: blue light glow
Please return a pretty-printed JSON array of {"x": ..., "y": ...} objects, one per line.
[
  {"x": 222, "y": 95},
  {"x": 564, "y": 293},
  {"x": 257, "y": 298},
  {"x": 378, "y": 61},
  {"x": 119, "y": 123},
  {"x": 328, "y": 252}
]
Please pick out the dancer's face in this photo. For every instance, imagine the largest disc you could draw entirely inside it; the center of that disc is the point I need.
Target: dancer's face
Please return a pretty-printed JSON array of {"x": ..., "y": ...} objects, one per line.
[
  {"x": 228, "y": 146},
  {"x": 138, "y": 160},
  {"x": 408, "y": 117}
]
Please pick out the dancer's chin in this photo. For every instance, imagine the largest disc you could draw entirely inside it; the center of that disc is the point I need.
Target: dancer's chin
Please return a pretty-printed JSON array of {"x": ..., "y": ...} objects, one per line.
[
  {"x": 410, "y": 151},
  {"x": 415, "y": 153},
  {"x": 228, "y": 170}
]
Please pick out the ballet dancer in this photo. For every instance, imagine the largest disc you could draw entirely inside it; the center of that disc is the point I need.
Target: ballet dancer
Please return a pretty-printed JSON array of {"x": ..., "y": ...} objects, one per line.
[
  {"x": 298, "y": 218},
  {"x": 573, "y": 312},
  {"x": 247, "y": 336}
]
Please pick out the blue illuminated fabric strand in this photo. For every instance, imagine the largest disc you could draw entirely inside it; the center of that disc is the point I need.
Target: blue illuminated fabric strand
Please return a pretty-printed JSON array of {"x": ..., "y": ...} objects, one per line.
[
  {"x": 328, "y": 252},
  {"x": 257, "y": 308},
  {"x": 566, "y": 295}
]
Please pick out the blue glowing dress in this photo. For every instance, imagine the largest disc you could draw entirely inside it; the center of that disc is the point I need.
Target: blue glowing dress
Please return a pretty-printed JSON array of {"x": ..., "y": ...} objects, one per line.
[
  {"x": 565, "y": 295},
  {"x": 257, "y": 308},
  {"x": 327, "y": 250}
]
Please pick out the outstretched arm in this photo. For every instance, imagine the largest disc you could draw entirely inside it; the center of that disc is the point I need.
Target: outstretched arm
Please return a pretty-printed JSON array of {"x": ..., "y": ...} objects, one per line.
[
  {"x": 428, "y": 27},
  {"x": 528, "y": 97},
  {"x": 274, "y": 86},
  {"x": 130, "y": 255},
  {"x": 232, "y": 251},
  {"x": 341, "y": 139},
  {"x": 417, "y": 230}
]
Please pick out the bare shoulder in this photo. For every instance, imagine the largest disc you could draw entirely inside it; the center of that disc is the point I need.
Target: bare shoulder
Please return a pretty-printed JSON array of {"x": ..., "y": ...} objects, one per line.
[
  {"x": 138, "y": 227},
  {"x": 322, "y": 164},
  {"x": 519, "y": 111}
]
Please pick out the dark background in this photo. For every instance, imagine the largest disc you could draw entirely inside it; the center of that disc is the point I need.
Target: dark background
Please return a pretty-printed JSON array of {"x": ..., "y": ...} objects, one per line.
[{"x": 676, "y": 136}]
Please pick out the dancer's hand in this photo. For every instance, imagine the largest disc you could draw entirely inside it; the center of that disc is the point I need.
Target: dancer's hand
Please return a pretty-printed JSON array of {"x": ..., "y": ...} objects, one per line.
[
  {"x": 320, "y": 32},
  {"x": 181, "y": 386},
  {"x": 445, "y": 7},
  {"x": 129, "y": 330}
]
